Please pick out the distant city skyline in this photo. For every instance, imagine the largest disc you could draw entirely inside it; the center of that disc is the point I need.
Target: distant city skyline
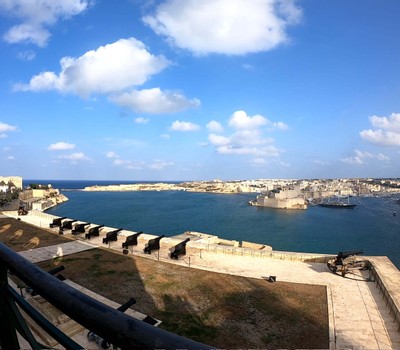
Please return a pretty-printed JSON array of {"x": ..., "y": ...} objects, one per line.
[{"x": 178, "y": 90}]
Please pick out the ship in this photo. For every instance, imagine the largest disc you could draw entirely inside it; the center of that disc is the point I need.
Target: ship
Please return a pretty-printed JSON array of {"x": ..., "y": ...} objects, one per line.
[
  {"x": 338, "y": 205},
  {"x": 282, "y": 198}
]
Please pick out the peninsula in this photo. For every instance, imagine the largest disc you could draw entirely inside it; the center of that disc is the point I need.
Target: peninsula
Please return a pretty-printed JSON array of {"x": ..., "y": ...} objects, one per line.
[{"x": 313, "y": 189}]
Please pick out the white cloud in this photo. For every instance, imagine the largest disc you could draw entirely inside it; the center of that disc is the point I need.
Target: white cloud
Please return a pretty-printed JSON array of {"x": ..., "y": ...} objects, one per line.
[
  {"x": 391, "y": 123},
  {"x": 280, "y": 125},
  {"x": 111, "y": 154},
  {"x": 165, "y": 136},
  {"x": 240, "y": 120},
  {"x": 387, "y": 132},
  {"x": 160, "y": 165},
  {"x": 28, "y": 55},
  {"x": 361, "y": 156},
  {"x": 128, "y": 164},
  {"x": 36, "y": 15},
  {"x": 184, "y": 126},
  {"x": 109, "y": 69},
  {"x": 60, "y": 146},
  {"x": 233, "y": 27},
  {"x": 218, "y": 140},
  {"x": 5, "y": 128},
  {"x": 141, "y": 120},
  {"x": 10, "y": 158},
  {"x": 247, "y": 138},
  {"x": 75, "y": 157},
  {"x": 214, "y": 126},
  {"x": 352, "y": 160},
  {"x": 155, "y": 101}
]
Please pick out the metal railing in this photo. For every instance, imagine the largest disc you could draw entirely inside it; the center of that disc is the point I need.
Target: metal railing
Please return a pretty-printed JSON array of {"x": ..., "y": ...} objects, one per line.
[{"x": 117, "y": 328}]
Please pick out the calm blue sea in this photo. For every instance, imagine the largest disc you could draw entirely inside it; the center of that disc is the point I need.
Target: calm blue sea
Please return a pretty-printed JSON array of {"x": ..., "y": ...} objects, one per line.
[{"x": 371, "y": 226}]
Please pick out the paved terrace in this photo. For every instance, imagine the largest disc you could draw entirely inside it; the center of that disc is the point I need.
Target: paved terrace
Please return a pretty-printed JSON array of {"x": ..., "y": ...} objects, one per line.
[{"x": 362, "y": 314}]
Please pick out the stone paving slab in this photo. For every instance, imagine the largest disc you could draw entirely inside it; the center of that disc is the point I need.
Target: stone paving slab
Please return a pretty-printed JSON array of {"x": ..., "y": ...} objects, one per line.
[{"x": 56, "y": 251}]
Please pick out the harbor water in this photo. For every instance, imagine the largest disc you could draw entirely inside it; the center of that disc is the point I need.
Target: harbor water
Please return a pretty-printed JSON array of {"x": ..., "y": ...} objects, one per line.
[{"x": 371, "y": 226}]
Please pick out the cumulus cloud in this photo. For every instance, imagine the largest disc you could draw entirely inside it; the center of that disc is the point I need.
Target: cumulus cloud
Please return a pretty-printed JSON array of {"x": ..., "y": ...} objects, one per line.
[
  {"x": 155, "y": 101},
  {"x": 233, "y": 27},
  {"x": 240, "y": 120},
  {"x": 36, "y": 16},
  {"x": 214, "y": 126},
  {"x": 60, "y": 146},
  {"x": 387, "y": 132},
  {"x": 184, "y": 126},
  {"x": 109, "y": 69},
  {"x": 6, "y": 128},
  {"x": 248, "y": 137},
  {"x": 75, "y": 157},
  {"x": 360, "y": 157}
]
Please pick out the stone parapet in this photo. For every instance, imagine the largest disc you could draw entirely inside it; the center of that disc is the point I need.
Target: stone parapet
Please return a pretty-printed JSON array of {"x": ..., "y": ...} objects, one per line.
[{"x": 387, "y": 279}]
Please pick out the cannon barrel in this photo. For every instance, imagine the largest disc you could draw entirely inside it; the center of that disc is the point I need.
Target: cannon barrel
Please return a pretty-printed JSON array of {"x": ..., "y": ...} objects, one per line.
[
  {"x": 67, "y": 224},
  {"x": 131, "y": 240},
  {"x": 127, "y": 305},
  {"x": 57, "y": 222},
  {"x": 153, "y": 244},
  {"x": 80, "y": 228},
  {"x": 346, "y": 254},
  {"x": 93, "y": 231},
  {"x": 179, "y": 249},
  {"x": 56, "y": 270},
  {"x": 111, "y": 236}
]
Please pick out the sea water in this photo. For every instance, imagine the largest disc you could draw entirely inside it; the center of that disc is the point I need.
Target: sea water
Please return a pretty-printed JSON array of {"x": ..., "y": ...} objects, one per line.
[{"x": 371, "y": 226}]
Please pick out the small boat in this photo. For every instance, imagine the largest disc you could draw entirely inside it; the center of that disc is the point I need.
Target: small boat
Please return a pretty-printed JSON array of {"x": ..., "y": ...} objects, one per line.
[{"x": 338, "y": 205}]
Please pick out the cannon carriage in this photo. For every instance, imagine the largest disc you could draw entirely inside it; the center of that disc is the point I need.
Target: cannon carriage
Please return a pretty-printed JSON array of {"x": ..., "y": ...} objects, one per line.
[
  {"x": 131, "y": 240},
  {"x": 179, "y": 249},
  {"x": 94, "y": 231},
  {"x": 153, "y": 244},
  {"x": 347, "y": 261},
  {"x": 79, "y": 228},
  {"x": 111, "y": 236}
]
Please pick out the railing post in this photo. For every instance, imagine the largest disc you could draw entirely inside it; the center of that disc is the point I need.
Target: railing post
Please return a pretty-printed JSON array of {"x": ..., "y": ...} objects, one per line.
[{"x": 8, "y": 334}]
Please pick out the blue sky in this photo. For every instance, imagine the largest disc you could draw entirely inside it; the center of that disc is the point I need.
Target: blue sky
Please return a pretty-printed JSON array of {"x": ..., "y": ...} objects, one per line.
[{"x": 199, "y": 89}]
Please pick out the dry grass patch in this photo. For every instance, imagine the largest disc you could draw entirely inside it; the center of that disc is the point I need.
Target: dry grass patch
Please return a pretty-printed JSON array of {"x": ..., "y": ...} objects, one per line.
[
  {"x": 220, "y": 310},
  {"x": 19, "y": 235}
]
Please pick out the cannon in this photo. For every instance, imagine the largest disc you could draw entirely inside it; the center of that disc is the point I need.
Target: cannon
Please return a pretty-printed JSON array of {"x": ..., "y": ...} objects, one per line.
[
  {"x": 153, "y": 244},
  {"x": 131, "y": 240},
  {"x": 111, "y": 236},
  {"x": 179, "y": 249},
  {"x": 66, "y": 225},
  {"x": 94, "y": 231},
  {"x": 101, "y": 341},
  {"x": 56, "y": 222},
  {"x": 22, "y": 210},
  {"x": 347, "y": 261},
  {"x": 79, "y": 228},
  {"x": 51, "y": 272}
]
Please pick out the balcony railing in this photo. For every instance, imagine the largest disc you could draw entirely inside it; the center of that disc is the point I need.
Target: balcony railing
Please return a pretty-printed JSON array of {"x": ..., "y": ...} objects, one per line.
[{"x": 117, "y": 328}]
